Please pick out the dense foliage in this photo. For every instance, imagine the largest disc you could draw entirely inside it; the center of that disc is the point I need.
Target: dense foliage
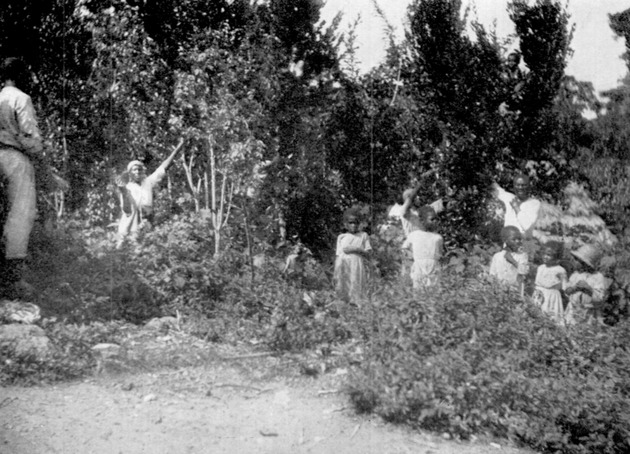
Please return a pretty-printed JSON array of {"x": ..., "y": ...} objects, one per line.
[
  {"x": 471, "y": 358},
  {"x": 467, "y": 358},
  {"x": 256, "y": 89},
  {"x": 278, "y": 142}
]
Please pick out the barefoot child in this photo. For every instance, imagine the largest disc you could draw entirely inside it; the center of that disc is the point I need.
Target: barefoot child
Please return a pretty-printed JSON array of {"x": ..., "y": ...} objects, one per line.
[
  {"x": 351, "y": 269},
  {"x": 426, "y": 249},
  {"x": 551, "y": 280},
  {"x": 587, "y": 288},
  {"x": 510, "y": 265}
]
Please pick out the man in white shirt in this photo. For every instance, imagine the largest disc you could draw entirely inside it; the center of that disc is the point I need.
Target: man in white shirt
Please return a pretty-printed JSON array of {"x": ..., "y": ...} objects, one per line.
[
  {"x": 521, "y": 210},
  {"x": 20, "y": 144}
]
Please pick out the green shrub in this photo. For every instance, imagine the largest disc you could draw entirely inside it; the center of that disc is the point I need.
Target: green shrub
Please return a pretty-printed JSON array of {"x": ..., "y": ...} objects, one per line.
[
  {"x": 467, "y": 357},
  {"x": 471, "y": 358}
]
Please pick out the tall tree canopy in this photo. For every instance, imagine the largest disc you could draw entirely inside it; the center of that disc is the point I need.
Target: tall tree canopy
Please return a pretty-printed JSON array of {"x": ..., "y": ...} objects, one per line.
[{"x": 257, "y": 89}]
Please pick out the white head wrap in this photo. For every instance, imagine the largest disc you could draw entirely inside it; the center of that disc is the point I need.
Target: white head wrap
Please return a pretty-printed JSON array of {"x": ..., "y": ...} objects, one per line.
[{"x": 134, "y": 163}]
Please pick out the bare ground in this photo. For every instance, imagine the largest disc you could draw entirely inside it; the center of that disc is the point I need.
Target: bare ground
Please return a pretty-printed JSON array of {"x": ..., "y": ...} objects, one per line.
[{"x": 223, "y": 403}]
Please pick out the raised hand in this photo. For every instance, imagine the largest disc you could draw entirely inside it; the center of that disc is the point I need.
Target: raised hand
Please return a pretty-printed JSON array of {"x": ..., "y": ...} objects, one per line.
[{"x": 122, "y": 179}]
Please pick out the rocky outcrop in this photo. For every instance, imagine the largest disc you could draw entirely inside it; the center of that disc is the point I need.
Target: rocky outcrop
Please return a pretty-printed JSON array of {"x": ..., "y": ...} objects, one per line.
[
  {"x": 18, "y": 335},
  {"x": 25, "y": 340}
]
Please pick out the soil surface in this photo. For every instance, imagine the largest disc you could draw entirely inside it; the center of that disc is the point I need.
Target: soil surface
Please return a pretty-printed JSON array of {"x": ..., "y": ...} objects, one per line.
[{"x": 226, "y": 402}]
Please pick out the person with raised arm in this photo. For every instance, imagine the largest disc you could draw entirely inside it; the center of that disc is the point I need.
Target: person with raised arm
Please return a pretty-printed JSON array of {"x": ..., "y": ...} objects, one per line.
[
  {"x": 136, "y": 194},
  {"x": 521, "y": 210}
]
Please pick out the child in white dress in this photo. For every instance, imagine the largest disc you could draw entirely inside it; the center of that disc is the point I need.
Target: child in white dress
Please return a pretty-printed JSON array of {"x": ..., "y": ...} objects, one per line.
[
  {"x": 426, "y": 248},
  {"x": 551, "y": 280},
  {"x": 351, "y": 269},
  {"x": 587, "y": 288},
  {"x": 510, "y": 266}
]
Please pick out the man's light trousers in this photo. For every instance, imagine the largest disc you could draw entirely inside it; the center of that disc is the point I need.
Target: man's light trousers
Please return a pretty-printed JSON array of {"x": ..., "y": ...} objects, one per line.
[{"x": 21, "y": 195}]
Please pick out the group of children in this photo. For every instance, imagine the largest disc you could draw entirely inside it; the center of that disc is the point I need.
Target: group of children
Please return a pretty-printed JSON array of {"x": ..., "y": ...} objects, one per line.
[
  {"x": 422, "y": 243},
  {"x": 565, "y": 299}
]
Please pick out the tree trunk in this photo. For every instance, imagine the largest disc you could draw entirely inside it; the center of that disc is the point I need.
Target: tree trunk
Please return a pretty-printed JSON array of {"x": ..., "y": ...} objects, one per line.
[
  {"x": 194, "y": 189},
  {"x": 215, "y": 215},
  {"x": 249, "y": 244}
]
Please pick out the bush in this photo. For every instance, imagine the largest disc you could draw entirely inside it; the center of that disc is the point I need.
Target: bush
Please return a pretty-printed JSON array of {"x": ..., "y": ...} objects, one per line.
[
  {"x": 471, "y": 358},
  {"x": 467, "y": 357},
  {"x": 80, "y": 277}
]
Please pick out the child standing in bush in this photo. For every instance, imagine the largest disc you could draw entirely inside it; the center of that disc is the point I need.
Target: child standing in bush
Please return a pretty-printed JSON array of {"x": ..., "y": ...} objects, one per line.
[
  {"x": 551, "y": 280},
  {"x": 351, "y": 269},
  {"x": 510, "y": 265},
  {"x": 426, "y": 248},
  {"x": 587, "y": 288}
]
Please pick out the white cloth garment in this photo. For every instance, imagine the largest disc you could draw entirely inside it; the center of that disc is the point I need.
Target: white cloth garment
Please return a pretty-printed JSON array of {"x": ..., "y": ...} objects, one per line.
[
  {"x": 426, "y": 248},
  {"x": 550, "y": 282},
  {"x": 351, "y": 270},
  {"x": 583, "y": 306},
  {"x": 527, "y": 215},
  {"x": 141, "y": 198},
  {"x": 507, "y": 273}
]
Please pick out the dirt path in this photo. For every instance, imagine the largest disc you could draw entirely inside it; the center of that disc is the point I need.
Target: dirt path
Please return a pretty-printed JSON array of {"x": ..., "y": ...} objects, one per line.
[{"x": 216, "y": 408}]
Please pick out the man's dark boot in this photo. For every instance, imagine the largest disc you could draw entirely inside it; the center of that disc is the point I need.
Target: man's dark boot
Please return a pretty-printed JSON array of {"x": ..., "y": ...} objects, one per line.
[
  {"x": 12, "y": 284},
  {"x": 3, "y": 277}
]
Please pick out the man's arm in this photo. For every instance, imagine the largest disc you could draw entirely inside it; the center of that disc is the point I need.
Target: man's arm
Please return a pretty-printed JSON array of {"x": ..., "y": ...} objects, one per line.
[
  {"x": 599, "y": 287},
  {"x": 501, "y": 194},
  {"x": 160, "y": 172},
  {"x": 412, "y": 195},
  {"x": 30, "y": 137},
  {"x": 168, "y": 161},
  {"x": 440, "y": 247},
  {"x": 32, "y": 146},
  {"x": 404, "y": 210}
]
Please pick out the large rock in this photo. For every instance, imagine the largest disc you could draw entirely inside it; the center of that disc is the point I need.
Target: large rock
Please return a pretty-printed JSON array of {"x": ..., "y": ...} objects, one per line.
[
  {"x": 18, "y": 312},
  {"x": 109, "y": 357},
  {"x": 25, "y": 340},
  {"x": 162, "y": 324}
]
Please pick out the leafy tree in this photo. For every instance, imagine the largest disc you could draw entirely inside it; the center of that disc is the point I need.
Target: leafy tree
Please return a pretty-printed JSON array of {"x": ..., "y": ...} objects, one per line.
[
  {"x": 544, "y": 35},
  {"x": 221, "y": 123},
  {"x": 603, "y": 162},
  {"x": 620, "y": 24},
  {"x": 458, "y": 82}
]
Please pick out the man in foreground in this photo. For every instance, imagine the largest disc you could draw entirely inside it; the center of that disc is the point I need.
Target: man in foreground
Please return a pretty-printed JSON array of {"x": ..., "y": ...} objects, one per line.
[{"x": 20, "y": 145}]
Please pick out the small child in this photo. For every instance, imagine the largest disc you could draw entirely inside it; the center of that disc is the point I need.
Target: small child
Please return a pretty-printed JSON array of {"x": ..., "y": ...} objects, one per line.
[
  {"x": 408, "y": 215},
  {"x": 587, "y": 288},
  {"x": 351, "y": 269},
  {"x": 551, "y": 280},
  {"x": 510, "y": 265},
  {"x": 426, "y": 248}
]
